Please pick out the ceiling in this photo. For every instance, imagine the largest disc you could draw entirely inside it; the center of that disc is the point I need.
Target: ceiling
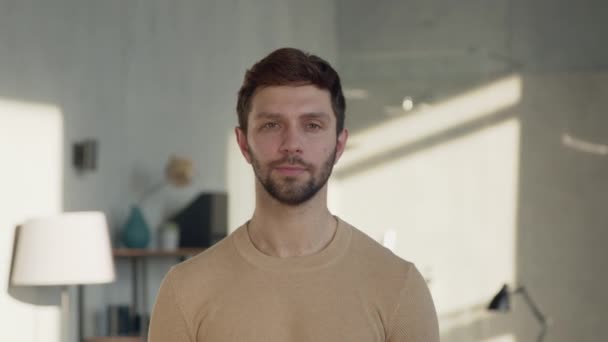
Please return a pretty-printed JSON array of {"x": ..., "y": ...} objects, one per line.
[{"x": 430, "y": 50}]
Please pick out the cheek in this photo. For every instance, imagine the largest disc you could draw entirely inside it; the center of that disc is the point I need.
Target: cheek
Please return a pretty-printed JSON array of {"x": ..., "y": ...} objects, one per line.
[
  {"x": 262, "y": 148},
  {"x": 324, "y": 151}
]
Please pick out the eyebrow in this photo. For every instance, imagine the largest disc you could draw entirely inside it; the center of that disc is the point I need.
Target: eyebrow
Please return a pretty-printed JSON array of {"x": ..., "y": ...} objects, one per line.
[
  {"x": 313, "y": 115},
  {"x": 316, "y": 115},
  {"x": 267, "y": 115}
]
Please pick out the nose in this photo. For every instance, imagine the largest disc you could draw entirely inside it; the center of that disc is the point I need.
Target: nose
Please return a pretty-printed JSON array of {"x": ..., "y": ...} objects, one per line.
[{"x": 291, "y": 142}]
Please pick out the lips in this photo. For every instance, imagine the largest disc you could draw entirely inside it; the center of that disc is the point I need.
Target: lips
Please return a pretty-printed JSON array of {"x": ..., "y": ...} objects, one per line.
[{"x": 290, "y": 170}]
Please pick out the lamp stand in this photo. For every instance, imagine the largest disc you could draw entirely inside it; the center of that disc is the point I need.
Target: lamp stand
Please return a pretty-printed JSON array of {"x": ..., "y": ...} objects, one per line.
[
  {"x": 65, "y": 313},
  {"x": 501, "y": 301},
  {"x": 542, "y": 320}
]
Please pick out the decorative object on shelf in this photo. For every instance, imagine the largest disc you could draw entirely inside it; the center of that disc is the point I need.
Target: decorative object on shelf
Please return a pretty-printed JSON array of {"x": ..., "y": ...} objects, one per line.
[
  {"x": 204, "y": 221},
  {"x": 169, "y": 236},
  {"x": 136, "y": 231},
  {"x": 502, "y": 303},
  {"x": 179, "y": 171},
  {"x": 66, "y": 249},
  {"x": 121, "y": 321}
]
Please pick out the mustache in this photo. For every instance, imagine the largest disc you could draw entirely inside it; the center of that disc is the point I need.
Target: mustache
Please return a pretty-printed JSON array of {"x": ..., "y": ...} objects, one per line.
[{"x": 291, "y": 160}]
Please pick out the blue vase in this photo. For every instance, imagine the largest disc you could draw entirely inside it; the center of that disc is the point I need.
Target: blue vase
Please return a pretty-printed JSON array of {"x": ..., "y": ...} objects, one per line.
[{"x": 136, "y": 232}]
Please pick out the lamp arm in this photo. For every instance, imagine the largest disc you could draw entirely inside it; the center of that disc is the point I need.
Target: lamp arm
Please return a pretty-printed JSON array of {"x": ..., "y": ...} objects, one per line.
[{"x": 542, "y": 319}]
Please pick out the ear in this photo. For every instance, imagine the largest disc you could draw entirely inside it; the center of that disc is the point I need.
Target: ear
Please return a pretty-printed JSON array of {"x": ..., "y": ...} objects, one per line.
[
  {"x": 241, "y": 140},
  {"x": 341, "y": 143}
]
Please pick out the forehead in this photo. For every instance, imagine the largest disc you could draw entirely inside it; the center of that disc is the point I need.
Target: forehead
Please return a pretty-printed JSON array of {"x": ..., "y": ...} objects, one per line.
[{"x": 291, "y": 100}]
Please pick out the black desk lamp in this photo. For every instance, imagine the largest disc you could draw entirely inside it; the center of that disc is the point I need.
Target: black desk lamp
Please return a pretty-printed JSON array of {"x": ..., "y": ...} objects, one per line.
[{"x": 501, "y": 303}]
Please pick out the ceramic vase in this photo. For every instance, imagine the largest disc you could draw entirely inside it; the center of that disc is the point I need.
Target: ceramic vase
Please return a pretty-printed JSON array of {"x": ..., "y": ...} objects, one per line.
[{"x": 136, "y": 232}]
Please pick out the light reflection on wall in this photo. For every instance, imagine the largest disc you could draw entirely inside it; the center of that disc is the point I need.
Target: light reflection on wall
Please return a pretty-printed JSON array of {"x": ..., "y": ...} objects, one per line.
[
  {"x": 31, "y": 159},
  {"x": 432, "y": 120},
  {"x": 501, "y": 338},
  {"x": 452, "y": 202}
]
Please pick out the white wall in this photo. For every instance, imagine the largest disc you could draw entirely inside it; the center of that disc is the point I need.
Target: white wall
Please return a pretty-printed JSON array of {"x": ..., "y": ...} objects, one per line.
[
  {"x": 497, "y": 199},
  {"x": 498, "y": 191},
  {"x": 445, "y": 179}
]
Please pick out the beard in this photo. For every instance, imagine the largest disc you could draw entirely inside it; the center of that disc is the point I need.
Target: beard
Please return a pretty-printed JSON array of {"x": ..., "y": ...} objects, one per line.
[{"x": 289, "y": 190}]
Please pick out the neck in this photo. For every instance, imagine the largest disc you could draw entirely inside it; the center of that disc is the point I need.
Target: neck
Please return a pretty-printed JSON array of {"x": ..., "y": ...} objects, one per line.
[{"x": 284, "y": 231}]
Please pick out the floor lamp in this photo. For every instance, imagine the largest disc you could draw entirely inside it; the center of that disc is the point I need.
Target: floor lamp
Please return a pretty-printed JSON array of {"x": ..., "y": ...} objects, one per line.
[
  {"x": 63, "y": 250},
  {"x": 502, "y": 303}
]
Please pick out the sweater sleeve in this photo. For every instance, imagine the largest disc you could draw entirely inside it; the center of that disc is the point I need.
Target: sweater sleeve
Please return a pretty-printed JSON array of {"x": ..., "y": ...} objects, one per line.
[
  {"x": 414, "y": 319},
  {"x": 168, "y": 322}
]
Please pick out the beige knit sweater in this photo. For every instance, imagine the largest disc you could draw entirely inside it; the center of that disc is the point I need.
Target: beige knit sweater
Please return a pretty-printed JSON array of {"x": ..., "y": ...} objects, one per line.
[{"x": 353, "y": 290}]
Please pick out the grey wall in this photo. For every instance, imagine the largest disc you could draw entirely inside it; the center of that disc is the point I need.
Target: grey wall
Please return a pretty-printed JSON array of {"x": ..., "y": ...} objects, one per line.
[
  {"x": 186, "y": 63},
  {"x": 146, "y": 79},
  {"x": 59, "y": 55}
]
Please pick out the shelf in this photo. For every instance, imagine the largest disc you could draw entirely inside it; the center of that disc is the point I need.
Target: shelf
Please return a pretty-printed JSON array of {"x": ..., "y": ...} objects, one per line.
[
  {"x": 114, "y": 339},
  {"x": 144, "y": 252},
  {"x": 137, "y": 258}
]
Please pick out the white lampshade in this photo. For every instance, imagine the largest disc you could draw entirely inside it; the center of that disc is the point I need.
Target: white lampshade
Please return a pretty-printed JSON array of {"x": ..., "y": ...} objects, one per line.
[{"x": 68, "y": 249}]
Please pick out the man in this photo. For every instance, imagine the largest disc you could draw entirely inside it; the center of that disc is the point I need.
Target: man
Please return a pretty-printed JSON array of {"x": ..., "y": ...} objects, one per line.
[{"x": 293, "y": 272}]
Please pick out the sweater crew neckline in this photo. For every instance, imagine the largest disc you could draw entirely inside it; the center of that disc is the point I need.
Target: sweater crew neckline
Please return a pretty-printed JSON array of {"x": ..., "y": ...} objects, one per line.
[{"x": 330, "y": 254}]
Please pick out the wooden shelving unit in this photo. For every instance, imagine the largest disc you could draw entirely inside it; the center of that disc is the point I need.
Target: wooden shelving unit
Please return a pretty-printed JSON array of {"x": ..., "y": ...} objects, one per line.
[
  {"x": 115, "y": 339},
  {"x": 137, "y": 258},
  {"x": 141, "y": 252}
]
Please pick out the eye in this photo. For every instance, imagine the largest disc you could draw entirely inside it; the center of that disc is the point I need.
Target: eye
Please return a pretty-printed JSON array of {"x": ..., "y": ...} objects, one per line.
[
  {"x": 313, "y": 126},
  {"x": 270, "y": 125}
]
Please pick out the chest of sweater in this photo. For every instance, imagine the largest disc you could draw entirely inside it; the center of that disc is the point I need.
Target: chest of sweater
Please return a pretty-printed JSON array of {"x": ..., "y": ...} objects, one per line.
[{"x": 308, "y": 306}]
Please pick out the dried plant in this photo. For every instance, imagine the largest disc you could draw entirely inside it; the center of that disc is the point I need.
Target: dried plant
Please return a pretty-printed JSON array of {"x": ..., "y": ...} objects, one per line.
[{"x": 179, "y": 172}]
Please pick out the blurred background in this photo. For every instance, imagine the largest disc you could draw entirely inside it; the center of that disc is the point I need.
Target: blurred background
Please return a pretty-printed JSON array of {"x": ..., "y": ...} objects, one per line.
[{"x": 478, "y": 149}]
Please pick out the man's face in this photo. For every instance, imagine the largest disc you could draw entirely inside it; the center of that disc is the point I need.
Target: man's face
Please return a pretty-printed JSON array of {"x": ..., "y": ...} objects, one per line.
[{"x": 291, "y": 141}]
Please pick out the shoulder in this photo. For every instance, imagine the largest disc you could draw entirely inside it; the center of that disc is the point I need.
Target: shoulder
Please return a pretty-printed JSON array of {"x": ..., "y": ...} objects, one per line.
[
  {"x": 378, "y": 268},
  {"x": 372, "y": 254},
  {"x": 400, "y": 292},
  {"x": 206, "y": 269}
]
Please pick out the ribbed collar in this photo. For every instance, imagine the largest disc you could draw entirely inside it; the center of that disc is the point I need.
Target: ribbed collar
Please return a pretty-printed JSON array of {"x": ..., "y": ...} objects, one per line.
[{"x": 329, "y": 255}]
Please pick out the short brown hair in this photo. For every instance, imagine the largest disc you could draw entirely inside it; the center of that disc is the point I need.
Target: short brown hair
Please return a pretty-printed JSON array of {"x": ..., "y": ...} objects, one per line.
[{"x": 289, "y": 66}]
